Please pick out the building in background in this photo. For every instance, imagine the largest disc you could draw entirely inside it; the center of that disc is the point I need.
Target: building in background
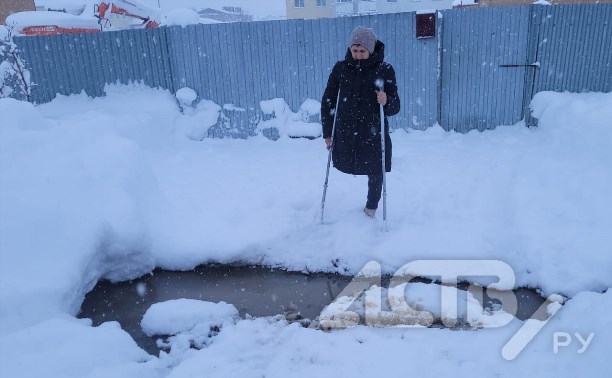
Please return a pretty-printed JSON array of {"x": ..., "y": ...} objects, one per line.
[
  {"x": 227, "y": 14},
  {"x": 495, "y": 3},
  {"x": 337, "y": 8},
  {"x": 350, "y": 7},
  {"x": 397, "y": 6},
  {"x": 307, "y": 9},
  {"x": 8, "y": 7}
]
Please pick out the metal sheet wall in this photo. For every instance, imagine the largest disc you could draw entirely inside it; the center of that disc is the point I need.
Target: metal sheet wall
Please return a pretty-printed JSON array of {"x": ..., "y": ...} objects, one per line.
[
  {"x": 237, "y": 63},
  {"x": 483, "y": 57},
  {"x": 575, "y": 48},
  {"x": 244, "y": 63},
  {"x": 457, "y": 79},
  {"x": 72, "y": 63}
]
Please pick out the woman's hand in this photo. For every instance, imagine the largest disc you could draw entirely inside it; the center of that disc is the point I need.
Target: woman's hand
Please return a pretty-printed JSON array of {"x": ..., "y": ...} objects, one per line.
[
  {"x": 328, "y": 142},
  {"x": 381, "y": 97}
]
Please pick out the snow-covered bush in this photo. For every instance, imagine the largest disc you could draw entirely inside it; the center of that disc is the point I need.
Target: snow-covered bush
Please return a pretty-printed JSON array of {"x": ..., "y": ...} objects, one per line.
[
  {"x": 287, "y": 123},
  {"x": 198, "y": 119},
  {"x": 14, "y": 75}
]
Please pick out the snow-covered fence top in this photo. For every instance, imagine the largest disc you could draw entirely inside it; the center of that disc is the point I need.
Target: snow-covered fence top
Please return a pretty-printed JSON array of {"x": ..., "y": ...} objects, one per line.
[{"x": 480, "y": 70}]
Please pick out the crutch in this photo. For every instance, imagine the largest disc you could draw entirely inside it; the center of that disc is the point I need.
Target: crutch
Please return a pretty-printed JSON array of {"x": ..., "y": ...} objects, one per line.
[
  {"x": 329, "y": 155},
  {"x": 380, "y": 85}
]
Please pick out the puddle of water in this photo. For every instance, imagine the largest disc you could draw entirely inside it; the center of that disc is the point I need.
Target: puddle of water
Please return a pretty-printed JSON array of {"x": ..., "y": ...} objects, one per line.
[
  {"x": 253, "y": 290},
  {"x": 256, "y": 291}
]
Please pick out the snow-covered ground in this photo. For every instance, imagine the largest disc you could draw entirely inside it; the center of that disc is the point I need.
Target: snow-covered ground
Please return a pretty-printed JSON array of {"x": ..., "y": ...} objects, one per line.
[{"x": 115, "y": 186}]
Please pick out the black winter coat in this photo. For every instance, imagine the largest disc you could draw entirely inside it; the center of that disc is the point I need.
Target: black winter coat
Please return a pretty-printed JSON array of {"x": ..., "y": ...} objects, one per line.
[{"x": 356, "y": 143}]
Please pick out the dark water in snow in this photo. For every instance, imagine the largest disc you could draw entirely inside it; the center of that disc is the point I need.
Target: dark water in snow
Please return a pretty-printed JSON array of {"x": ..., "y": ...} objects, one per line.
[{"x": 253, "y": 290}]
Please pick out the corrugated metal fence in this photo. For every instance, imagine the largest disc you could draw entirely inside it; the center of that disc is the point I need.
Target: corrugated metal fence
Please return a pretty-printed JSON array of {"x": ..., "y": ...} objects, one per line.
[{"x": 480, "y": 71}]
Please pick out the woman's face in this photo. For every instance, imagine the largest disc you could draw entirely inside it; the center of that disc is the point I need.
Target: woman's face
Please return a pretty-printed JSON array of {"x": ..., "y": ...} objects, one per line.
[{"x": 359, "y": 52}]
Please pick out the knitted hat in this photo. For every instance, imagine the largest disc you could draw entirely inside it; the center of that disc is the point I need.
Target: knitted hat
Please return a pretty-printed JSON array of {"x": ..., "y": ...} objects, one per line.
[{"x": 364, "y": 37}]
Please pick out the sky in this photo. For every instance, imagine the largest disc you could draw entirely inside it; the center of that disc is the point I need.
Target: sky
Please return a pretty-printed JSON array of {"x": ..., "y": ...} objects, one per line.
[{"x": 258, "y": 8}]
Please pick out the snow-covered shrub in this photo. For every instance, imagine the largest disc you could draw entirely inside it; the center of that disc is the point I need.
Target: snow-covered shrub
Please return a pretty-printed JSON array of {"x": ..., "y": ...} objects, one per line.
[
  {"x": 14, "y": 75},
  {"x": 197, "y": 120}
]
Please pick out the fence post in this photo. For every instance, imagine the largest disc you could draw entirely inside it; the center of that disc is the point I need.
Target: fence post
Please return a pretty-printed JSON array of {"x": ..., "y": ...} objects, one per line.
[
  {"x": 533, "y": 42},
  {"x": 439, "y": 34}
]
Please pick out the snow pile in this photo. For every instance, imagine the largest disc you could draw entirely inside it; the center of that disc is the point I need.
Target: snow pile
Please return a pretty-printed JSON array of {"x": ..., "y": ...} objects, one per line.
[
  {"x": 68, "y": 6},
  {"x": 288, "y": 123},
  {"x": 186, "y": 96},
  {"x": 411, "y": 304},
  {"x": 184, "y": 17},
  {"x": 206, "y": 114},
  {"x": 112, "y": 187},
  {"x": 23, "y": 117},
  {"x": 69, "y": 347},
  {"x": 447, "y": 304},
  {"x": 70, "y": 197},
  {"x": 188, "y": 323},
  {"x": 26, "y": 19},
  {"x": 272, "y": 349},
  {"x": 261, "y": 10},
  {"x": 181, "y": 17},
  {"x": 198, "y": 120},
  {"x": 182, "y": 315}
]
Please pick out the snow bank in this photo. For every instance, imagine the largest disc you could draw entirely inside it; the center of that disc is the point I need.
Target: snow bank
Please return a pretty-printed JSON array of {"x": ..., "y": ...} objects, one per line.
[
  {"x": 67, "y": 347},
  {"x": 181, "y": 17},
  {"x": 288, "y": 123},
  {"x": 181, "y": 315},
  {"x": 111, "y": 187},
  {"x": 199, "y": 118},
  {"x": 70, "y": 197},
  {"x": 265, "y": 348},
  {"x": 26, "y": 19},
  {"x": 186, "y": 96},
  {"x": 412, "y": 304}
]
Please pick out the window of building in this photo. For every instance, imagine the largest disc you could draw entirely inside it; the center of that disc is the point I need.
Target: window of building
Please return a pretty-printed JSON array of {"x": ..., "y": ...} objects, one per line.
[
  {"x": 321, "y": 3},
  {"x": 391, "y": 1},
  {"x": 298, "y": 3}
]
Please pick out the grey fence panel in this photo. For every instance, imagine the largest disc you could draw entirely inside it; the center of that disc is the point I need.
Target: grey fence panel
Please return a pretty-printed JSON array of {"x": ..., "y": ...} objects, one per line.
[
  {"x": 575, "y": 50},
  {"x": 419, "y": 75},
  {"x": 476, "y": 73},
  {"x": 245, "y": 63},
  {"x": 179, "y": 47},
  {"x": 258, "y": 67},
  {"x": 483, "y": 72},
  {"x": 72, "y": 63},
  {"x": 308, "y": 51},
  {"x": 239, "y": 63}
]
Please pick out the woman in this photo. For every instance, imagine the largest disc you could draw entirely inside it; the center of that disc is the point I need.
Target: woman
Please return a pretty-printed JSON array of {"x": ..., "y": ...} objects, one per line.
[{"x": 356, "y": 143}]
